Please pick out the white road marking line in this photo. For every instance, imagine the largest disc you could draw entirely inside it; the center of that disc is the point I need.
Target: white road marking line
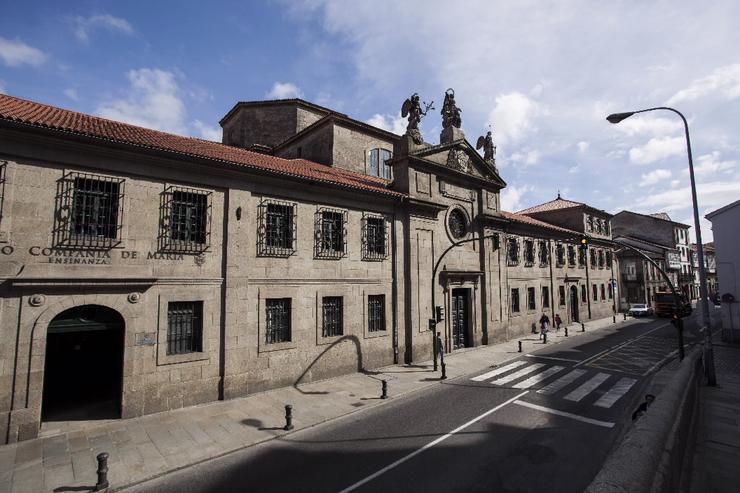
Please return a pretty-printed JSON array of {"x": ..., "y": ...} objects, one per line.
[
  {"x": 430, "y": 445},
  {"x": 553, "y": 358},
  {"x": 499, "y": 371},
  {"x": 540, "y": 377},
  {"x": 561, "y": 382},
  {"x": 518, "y": 374},
  {"x": 587, "y": 387},
  {"x": 605, "y": 424},
  {"x": 619, "y": 346},
  {"x": 618, "y": 390}
]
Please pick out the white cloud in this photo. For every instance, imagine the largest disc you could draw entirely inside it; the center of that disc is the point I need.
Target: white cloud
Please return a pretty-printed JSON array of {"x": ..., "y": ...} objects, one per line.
[
  {"x": 724, "y": 81},
  {"x": 711, "y": 163},
  {"x": 649, "y": 124},
  {"x": 284, "y": 90},
  {"x": 511, "y": 197},
  {"x": 83, "y": 25},
  {"x": 71, "y": 93},
  {"x": 712, "y": 194},
  {"x": 206, "y": 131},
  {"x": 573, "y": 169},
  {"x": 514, "y": 117},
  {"x": 153, "y": 101},
  {"x": 15, "y": 52},
  {"x": 675, "y": 183},
  {"x": 657, "y": 149},
  {"x": 655, "y": 176},
  {"x": 396, "y": 124},
  {"x": 526, "y": 157},
  {"x": 582, "y": 146}
]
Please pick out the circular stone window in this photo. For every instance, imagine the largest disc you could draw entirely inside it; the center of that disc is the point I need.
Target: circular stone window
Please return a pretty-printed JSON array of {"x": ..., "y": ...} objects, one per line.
[{"x": 458, "y": 224}]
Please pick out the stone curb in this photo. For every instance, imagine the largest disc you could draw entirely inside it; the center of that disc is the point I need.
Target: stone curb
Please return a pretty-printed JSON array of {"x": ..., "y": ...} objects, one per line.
[{"x": 643, "y": 460}]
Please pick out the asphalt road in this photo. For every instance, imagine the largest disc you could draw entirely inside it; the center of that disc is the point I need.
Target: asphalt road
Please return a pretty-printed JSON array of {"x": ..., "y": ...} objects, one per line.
[{"x": 543, "y": 422}]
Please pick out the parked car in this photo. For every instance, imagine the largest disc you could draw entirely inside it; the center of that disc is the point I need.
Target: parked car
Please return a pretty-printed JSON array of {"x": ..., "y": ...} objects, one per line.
[{"x": 640, "y": 310}]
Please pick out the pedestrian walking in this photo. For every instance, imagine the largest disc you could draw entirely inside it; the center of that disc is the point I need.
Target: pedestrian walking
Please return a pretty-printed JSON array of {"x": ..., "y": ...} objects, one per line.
[
  {"x": 544, "y": 322},
  {"x": 440, "y": 349},
  {"x": 558, "y": 321}
]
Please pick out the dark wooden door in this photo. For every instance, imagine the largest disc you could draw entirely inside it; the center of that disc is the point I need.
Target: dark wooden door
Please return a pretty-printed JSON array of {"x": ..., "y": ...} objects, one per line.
[
  {"x": 574, "y": 304},
  {"x": 460, "y": 318}
]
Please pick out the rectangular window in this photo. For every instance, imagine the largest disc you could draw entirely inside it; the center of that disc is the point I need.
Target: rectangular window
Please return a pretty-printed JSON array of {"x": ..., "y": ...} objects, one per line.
[
  {"x": 583, "y": 293},
  {"x": 277, "y": 320},
  {"x": 581, "y": 257},
  {"x": 3, "y": 170},
  {"x": 610, "y": 290},
  {"x": 331, "y": 235},
  {"x": 559, "y": 255},
  {"x": 601, "y": 259},
  {"x": 374, "y": 238},
  {"x": 589, "y": 223},
  {"x": 185, "y": 220},
  {"x": 184, "y": 327},
  {"x": 378, "y": 163},
  {"x": 608, "y": 259},
  {"x": 93, "y": 206},
  {"x": 530, "y": 299},
  {"x": 276, "y": 230},
  {"x": 545, "y": 297},
  {"x": 593, "y": 258},
  {"x": 543, "y": 253},
  {"x": 561, "y": 292},
  {"x": 571, "y": 256},
  {"x": 515, "y": 300},
  {"x": 332, "y": 323},
  {"x": 376, "y": 313},
  {"x": 595, "y": 291},
  {"x": 513, "y": 251},
  {"x": 528, "y": 253},
  {"x": 603, "y": 293}
]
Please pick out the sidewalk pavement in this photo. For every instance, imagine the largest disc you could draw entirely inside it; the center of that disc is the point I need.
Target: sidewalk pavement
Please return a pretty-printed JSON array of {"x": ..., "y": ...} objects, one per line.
[
  {"x": 149, "y": 446},
  {"x": 717, "y": 450}
]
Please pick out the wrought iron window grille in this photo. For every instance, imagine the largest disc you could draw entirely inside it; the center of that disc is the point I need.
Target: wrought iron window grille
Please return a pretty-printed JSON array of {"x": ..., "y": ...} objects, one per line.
[
  {"x": 581, "y": 258},
  {"x": 583, "y": 293},
  {"x": 89, "y": 211},
  {"x": 374, "y": 238},
  {"x": 559, "y": 255},
  {"x": 185, "y": 220},
  {"x": 561, "y": 293},
  {"x": 601, "y": 259},
  {"x": 515, "y": 300},
  {"x": 593, "y": 258},
  {"x": 277, "y": 320},
  {"x": 332, "y": 319},
  {"x": 528, "y": 253},
  {"x": 277, "y": 229},
  {"x": 3, "y": 171},
  {"x": 531, "y": 299},
  {"x": 376, "y": 313},
  {"x": 513, "y": 252},
  {"x": 330, "y": 233},
  {"x": 184, "y": 327},
  {"x": 545, "y": 297},
  {"x": 571, "y": 256},
  {"x": 543, "y": 254}
]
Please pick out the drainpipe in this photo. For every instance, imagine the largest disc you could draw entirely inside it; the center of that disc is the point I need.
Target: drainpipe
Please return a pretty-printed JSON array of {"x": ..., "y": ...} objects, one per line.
[{"x": 588, "y": 283}]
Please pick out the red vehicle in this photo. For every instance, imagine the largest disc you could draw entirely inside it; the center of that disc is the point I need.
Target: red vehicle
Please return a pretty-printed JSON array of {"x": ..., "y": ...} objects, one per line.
[{"x": 665, "y": 304}]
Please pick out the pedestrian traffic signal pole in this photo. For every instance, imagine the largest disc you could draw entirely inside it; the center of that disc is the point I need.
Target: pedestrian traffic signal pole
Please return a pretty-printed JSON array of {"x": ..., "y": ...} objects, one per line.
[{"x": 677, "y": 299}]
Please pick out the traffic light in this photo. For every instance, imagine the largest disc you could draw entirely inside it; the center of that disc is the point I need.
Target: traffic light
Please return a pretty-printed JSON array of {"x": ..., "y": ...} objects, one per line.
[
  {"x": 584, "y": 244},
  {"x": 440, "y": 313}
]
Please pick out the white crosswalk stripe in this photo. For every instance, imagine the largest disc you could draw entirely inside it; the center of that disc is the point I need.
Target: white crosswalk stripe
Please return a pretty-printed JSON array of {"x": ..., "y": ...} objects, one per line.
[
  {"x": 618, "y": 390},
  {"x": 540, "y": 377},
  {"x": 499, "y": 371},
  {"x": 518, "y": 374},
  {"x": 561, "y": 382},
  {"x": 588, "y": 387}
]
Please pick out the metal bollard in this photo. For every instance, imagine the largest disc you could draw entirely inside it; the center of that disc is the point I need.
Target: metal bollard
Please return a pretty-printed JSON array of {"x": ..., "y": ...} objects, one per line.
[
  {"x": 288, "y": 417},
  {"x": 614, "y": 319},
  {"x": 444, "y": 372},
  {"x": 625, "y": 315},
  {"x": 384, "y": 395},
  {"x": 544, "y": 338},
  {"x": 583, "y": 327},
  {"x": 566, "y": 331},
  {"x": 520, "y": 346},
  {"x": 102, "y": 472}
]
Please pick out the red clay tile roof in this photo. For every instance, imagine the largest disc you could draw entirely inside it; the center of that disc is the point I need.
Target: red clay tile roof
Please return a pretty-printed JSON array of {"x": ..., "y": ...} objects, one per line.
[
  {"x": 553, "y": 205},
  {"x": 42, "y": 115},
  {"x": 521, "y": 218}
]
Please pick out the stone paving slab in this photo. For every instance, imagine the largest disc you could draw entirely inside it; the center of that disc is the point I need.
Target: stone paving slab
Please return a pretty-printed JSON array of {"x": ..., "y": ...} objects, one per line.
[{"x": 149, "y": 446}]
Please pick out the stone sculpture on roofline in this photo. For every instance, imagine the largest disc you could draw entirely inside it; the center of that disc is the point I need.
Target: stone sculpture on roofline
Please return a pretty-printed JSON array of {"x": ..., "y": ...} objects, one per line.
[
  {"x": 412, "y": 109},
  {"x": 489, "y": 148},
  {"x": 451, "y": 120}
]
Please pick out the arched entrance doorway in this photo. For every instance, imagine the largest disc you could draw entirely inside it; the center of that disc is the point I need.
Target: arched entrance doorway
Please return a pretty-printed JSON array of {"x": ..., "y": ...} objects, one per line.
[
  {"x": 574, "y": 304},
  {"x": 83, "y": 371}
]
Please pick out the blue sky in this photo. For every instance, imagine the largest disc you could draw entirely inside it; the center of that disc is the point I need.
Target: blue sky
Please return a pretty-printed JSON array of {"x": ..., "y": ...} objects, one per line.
[{"x": 544, "y": 74}]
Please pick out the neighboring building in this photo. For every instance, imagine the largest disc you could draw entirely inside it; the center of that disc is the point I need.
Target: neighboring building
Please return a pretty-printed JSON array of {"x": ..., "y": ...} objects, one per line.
[
  {"x": 663, "y": 240},
  {"x": 710, "y": 268},
  {"x": 726, "y": 240},
  {"x": 144, "y": 271}
]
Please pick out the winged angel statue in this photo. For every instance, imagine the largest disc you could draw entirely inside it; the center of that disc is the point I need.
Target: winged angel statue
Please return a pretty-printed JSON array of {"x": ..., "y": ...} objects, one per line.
[
  {"x": 412, "y": 109},
  {"x": 489, "y": 149}
]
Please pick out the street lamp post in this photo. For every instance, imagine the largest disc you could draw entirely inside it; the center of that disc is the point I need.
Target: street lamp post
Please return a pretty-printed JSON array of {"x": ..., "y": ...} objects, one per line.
[{"x": 708, "y": 352}]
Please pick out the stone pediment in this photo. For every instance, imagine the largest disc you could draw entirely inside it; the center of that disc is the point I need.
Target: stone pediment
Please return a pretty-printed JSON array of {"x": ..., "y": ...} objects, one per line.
[{"x": 460, "y": 156}]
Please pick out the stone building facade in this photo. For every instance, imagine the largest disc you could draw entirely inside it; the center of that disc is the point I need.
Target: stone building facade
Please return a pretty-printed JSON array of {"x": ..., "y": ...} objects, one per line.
[{"x": 144, "y": 271}]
